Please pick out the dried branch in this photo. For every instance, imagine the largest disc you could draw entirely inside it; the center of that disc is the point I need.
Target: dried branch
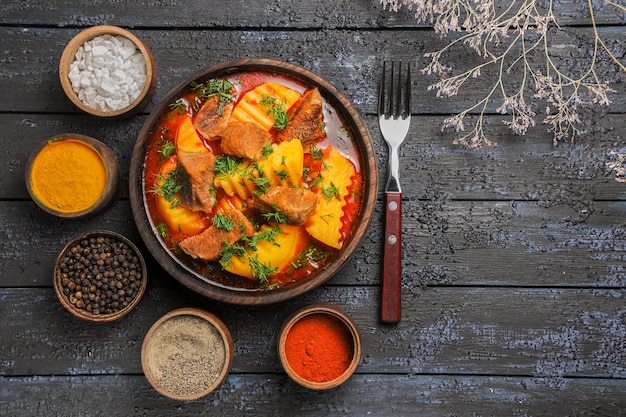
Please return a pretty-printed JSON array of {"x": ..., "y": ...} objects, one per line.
[{"x": 506, "y": 39}]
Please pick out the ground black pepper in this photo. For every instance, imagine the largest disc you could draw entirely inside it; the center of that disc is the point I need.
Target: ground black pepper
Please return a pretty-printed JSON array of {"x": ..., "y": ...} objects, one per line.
[
  {"x": 185, "y": 355},
  {"x": 101, "y": 275}
]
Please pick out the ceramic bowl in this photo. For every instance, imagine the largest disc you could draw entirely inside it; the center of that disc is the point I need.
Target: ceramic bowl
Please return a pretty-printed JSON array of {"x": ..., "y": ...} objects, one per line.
[
  {"x": 183, "y": 270},
  {"x": 69, "y": 56},
  {"x": 80, "y": 276},
  {"x": 41, "y": 185},
  {"x": 187, "y": 354},
  {"x": 301, "y": 366}
]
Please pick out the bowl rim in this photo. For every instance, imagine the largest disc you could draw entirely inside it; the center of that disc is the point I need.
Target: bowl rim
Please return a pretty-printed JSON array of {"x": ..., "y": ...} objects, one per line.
[
  {"x": 212, "y": 319},
  {"x": 82, "y": 314},
  {"x": 111, "y": 166},
  {"x": 233, "y": 295},
  {"x": 67, "y": 57},
  {"x": 333, "y": 311}
]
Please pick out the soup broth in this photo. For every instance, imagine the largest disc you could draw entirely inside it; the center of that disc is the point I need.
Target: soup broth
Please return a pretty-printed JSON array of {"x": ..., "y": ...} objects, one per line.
[{"x": 252, "y": 181}]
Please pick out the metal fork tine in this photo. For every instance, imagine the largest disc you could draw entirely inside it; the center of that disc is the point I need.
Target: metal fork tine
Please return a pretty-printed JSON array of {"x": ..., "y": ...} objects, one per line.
[
  {"x": 407, "y": 101},
  {"x": 394, "y": 100},
  {"x": 382, "y": 108},
  {"x": 398, "y": 94}
]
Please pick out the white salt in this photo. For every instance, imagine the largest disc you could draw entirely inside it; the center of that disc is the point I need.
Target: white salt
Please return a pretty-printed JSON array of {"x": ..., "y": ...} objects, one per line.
[{"x": 108, "y": 73}]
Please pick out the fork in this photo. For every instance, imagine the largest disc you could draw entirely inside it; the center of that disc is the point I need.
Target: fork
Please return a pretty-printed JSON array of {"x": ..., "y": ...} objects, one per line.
[{"x": 394, "y": 118}]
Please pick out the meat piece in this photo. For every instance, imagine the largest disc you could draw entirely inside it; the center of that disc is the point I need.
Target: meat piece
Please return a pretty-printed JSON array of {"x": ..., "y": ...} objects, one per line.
[
  {"x": 209, "y": 244},
  {"x": 296, "y": 204},
  {"x": 306, "y": 120},
  {"x": 209, "y": 122},
  {"x": 196, "y": 177},
  {"x": 244, "y": 139}
]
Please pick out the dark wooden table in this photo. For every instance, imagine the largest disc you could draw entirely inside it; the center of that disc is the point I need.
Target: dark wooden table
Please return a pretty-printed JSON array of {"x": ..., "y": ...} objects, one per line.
[{"x": 514, "y": 284}]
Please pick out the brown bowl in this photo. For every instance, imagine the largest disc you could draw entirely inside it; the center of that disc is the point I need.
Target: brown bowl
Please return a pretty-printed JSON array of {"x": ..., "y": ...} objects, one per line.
[
  {"x": 224, "y": 291},
  {"x": 187, "y": 354},
  {"x": 95, "y": 299},
  {"x": 69, "y": 56},
  {"x": 308, "y": 355},
  {"x": 43, "y": 185}
]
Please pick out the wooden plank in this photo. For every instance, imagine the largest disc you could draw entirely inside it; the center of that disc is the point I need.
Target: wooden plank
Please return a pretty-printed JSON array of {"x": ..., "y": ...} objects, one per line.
[
  {"x": 271, "y": 394},
  {"x": 238, "y": 13},
  {"x": 24, "y": 133},
  {"x": 445, "y": 243},
  {"x": 31, "y": 239},
  {"x": 345, "y": 59},
  {"x": 351, "y": 60},
  {"x": 513, "y": 244},
  {"x": 550, "y": 334},
  {"x": 517, "y": 168}
]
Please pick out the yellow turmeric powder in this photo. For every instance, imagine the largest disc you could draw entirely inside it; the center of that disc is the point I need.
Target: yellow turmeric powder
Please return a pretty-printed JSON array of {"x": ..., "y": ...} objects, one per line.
[{"x": 68, "y": 176}]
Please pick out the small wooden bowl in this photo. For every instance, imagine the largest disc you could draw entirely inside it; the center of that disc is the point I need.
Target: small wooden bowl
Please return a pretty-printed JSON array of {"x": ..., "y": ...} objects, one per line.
[
  {"x": 33, "y": 182},
  {"x": 335, "y": 314},
  {"x": 183, "y": 344},
  {"x": 68, "y": 57},
  {"x": 68, "y": 297}
]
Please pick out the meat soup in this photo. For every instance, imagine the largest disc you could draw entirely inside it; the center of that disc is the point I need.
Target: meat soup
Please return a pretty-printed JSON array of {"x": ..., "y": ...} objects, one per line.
[{"x": 252, "y": 180}]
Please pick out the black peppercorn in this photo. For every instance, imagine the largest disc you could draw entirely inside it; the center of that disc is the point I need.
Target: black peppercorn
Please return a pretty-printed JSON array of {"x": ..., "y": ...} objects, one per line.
[{"x": 100, "y": 275}]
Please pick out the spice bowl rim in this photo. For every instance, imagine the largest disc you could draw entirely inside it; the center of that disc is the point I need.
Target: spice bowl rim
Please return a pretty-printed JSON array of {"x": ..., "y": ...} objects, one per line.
[
  {"x": 345, "y": 319},
  {"x": 109, "y": 160},
  {"x": 68, "y": 55},
  {"x": 82, "y": 314},
  {"x": 214, "y": 321}
]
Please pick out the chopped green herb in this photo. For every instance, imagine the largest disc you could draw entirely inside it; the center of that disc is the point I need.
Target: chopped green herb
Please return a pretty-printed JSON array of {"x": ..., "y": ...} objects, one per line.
[
  {"x": 166, "y": 148},
  {"x": 222, "y": 222},
  {"x": 179, "y": 105},
  {"x": 262, "y": 184},
  {"x": 268, "y": 235},
  {"x": 276, "y": 217},
  {"x": 236, "y": 249},
  {"x": 277, "y": 110},
  {"x": 221, "y": 88},
  {"x": 311, "y": 255},
  {"x": 177, "y": 250},
  {"x": 282, "y": 174},
  {"x": 226, "y": 165},
  {"x": 260, "y": 270},
  {"x": 267, "y": 150},
  {"x": 330, "y": 192},
  {"x": 212, "y": 271},
  {"x": 168, "y": 188},
  {"x": 270, "y": 286},
  {"x": 317, "y": 181},
  {"x": 325, "y": 216},
  {"x": 162, "y": 229},
  {"x": 317, "y": 153}
]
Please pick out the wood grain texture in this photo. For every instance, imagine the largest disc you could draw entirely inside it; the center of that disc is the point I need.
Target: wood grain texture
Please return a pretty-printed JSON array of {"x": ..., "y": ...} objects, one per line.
[
  {"x": 527, "y": 168},
  {"x": 550, "y": 334},
  {"x": 513, "y": 280},
  {"x": 350, "y": 59},
  {"x": 477, "y": 243},
  {"x": 264, "y": 394},
  {"x": 237, "y": 13}
]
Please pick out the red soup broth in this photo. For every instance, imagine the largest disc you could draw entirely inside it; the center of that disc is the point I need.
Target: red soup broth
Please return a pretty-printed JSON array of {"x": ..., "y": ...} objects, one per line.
[{"x": 313, "y": 256}]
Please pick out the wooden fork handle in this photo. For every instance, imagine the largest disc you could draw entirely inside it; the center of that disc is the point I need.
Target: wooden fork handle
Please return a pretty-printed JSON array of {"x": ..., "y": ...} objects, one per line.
[{"x": 391, "y": 291}]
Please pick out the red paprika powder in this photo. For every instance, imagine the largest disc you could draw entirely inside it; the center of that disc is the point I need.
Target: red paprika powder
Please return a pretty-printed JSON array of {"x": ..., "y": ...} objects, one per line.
[{"x": 319, "y": 347}]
